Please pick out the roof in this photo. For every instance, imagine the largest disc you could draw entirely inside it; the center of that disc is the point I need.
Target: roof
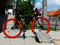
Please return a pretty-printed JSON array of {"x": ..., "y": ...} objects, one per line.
[
  {"x": 51, "y": 13},
  {"x": 54, "y": 13},
  {"x": 57, "y": 12}
]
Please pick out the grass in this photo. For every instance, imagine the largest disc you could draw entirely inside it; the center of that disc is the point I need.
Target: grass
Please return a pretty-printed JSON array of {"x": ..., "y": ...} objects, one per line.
[
  {"x": 51, "y": 28},
  {"x": 54, "y": 29}
]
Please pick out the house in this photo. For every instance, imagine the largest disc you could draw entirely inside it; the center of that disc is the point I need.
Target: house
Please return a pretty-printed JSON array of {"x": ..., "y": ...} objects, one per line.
[{"x": 53, "y": 15}]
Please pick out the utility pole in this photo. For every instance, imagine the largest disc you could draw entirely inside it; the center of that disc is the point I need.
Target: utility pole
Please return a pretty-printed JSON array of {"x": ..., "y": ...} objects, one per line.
[
  {"x": 44, "y": 10},
  {"x": 14, "y": 6},
  {"x": 33, "y": 2},
  {"x": 24, "y": 0}
]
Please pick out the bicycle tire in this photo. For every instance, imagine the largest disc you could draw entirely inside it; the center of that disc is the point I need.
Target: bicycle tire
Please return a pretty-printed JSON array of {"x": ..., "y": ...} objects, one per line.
[
  {"x": 32, "y": 24},
  {"x": 5, "y": 33}
]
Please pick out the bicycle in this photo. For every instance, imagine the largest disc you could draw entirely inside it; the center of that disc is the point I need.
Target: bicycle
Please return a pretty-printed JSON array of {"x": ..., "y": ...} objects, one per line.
[{"x": 23, "y": 28}]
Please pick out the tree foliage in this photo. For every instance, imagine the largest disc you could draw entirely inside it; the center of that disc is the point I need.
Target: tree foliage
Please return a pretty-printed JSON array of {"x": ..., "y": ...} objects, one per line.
[{"x": 25, "y": 7}]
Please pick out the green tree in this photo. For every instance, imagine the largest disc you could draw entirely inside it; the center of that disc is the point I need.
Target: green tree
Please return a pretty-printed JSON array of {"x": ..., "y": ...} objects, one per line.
[{"x": 25, "y": 6}]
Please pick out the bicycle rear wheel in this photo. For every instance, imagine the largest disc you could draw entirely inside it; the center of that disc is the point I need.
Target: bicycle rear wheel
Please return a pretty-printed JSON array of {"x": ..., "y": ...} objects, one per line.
[
  {"x": 34, "y": 25},
  {"x": 7, "y": 27}
]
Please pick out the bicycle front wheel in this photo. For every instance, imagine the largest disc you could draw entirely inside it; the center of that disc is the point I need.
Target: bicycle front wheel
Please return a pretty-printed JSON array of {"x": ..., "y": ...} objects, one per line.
[
  {"x": 37, "y": 24},
  {"x": 8, "y": 32}
]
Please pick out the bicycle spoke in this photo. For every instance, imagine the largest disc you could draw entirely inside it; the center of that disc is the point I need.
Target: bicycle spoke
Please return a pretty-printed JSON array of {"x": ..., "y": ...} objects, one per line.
[
  {"x": 8, "y": 31},
  {"x": 41, "y": 26}
]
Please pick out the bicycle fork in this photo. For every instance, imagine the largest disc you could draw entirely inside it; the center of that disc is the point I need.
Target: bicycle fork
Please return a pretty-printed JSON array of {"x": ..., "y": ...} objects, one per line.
[{"x": 39, "y": 23}]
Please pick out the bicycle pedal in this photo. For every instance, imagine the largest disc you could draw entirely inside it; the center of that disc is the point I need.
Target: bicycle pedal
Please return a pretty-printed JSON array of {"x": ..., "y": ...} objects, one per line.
[{"x": 5, "y": 37}]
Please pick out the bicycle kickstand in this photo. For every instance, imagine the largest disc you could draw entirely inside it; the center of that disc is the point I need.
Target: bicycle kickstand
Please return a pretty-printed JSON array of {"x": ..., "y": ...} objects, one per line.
[
  {"x": 24, "y": 30},
  {"x": 24, "y": 35}
]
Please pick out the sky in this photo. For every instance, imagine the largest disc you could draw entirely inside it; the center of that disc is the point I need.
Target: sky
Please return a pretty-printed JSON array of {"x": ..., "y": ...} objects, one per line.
[{"x": 51, "y": 4}]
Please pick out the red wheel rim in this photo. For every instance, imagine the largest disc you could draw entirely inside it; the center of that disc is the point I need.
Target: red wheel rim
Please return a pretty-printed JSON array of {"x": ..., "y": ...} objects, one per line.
[
  {"x": 7, "y": 35},
  {"x": 32, "y": 24}
]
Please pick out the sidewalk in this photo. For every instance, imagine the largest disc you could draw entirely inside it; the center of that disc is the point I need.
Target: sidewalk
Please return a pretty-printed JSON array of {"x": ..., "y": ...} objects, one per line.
[
  {"x": 57, "y": 42},
  {"x": 55, "y": 34},
  {"x": 28, "y": 41}
]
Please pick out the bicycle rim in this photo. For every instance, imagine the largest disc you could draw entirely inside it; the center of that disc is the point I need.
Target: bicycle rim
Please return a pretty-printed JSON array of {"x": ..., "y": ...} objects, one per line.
[
  {"x": 5, "y": 32},
  {"x": 34, "y": 20}
]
